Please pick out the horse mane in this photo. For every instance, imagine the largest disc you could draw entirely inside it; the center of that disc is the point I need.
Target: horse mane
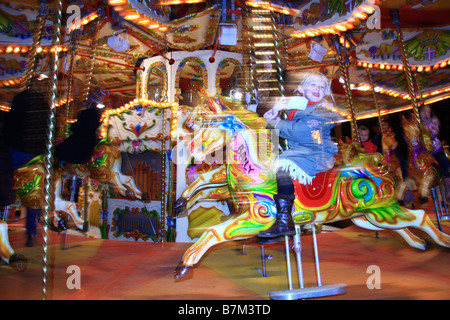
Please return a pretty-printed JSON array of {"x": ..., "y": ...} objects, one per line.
[
  {"x": 251, "y": 119},
  {"x": 348, "y": 153}
]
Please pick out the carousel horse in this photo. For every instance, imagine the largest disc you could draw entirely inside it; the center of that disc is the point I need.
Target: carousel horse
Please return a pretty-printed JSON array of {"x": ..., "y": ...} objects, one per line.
[
  {"x": 103, "y": 166},
  {"x": 423, "y": 170},
  {"x": 362, "y": 191},
  {"x": 389, "y": 144},
  {"x": 7, "y": 253},
  {"x": 190, "y": 120}
]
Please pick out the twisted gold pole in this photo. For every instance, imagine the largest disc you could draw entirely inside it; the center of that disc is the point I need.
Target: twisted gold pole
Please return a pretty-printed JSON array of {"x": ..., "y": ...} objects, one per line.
[
  {"x": 32, "y": 60},
  {"x": 280, "y": 44},
  {"x": 48, "y": 194},
  {"x": 418, "y": 88},
  {"x": 406, "y": 66},
  {"x": 247, "y": 70},
  {"x": 65, "y": 113},
  {"x": 68, "y": 111},
  {"x": 87, "y": 89},
  {"x": 375, "y": 101},
  {"x": 162, "y": 221},
  {"x": 343, "y": 65}
]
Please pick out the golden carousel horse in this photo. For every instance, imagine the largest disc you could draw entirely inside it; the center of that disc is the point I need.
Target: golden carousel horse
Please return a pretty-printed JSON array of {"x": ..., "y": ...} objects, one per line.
[
  {"x": 423, "y": 170},
  {"x": 389, "y": 145},
  {"x": 103, "y": 166},
  {"x": 362, "y": 191}
]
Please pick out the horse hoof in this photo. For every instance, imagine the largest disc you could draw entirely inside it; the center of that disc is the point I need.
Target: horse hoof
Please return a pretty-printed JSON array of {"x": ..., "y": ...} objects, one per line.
[
  {"x": 19, "y": 262},
  {"x": 180, "y": 207},
  {"x": 423, "y": 200},
  {"x": 182, "y": 271},
  {"x": 62, "y": 225}
]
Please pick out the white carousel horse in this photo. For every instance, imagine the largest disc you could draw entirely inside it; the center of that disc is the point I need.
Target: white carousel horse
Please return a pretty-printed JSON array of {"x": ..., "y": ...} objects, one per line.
[{"x": 103, "y": 166}]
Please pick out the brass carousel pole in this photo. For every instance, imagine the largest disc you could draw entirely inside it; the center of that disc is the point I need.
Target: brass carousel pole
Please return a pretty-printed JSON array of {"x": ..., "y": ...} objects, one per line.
[
  {"x": 343, "y": 61},
  {"x": 406, "y": 66},
  {"x": 246, "y": 55},
  {"x": 418, "y": 88},
  {"x": 162, "y": 220},
  {"x": 375, "y": 101},
  {"x": 48, "y": 190},
  {"x": 245, "y": 47},
  {"x": 32, "y": 54},
  {"x": 93, "y": 47},
  {"x": 65, "y": 113},
  {"x": 280, "y": 44},
  {"x": 68, "y": 110}
]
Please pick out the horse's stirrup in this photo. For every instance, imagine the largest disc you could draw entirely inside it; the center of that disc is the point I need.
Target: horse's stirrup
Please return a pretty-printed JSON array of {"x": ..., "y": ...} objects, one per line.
[{"x": 73, "y": 186}]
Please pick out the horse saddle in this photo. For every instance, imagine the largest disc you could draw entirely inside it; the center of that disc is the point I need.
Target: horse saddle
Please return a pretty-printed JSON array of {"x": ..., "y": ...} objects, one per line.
[{"x": 319, "y": 194}]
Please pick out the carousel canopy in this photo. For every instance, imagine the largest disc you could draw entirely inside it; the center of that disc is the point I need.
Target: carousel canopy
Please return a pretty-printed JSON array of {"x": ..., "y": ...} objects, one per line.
[{"x": 104, "y": 42}]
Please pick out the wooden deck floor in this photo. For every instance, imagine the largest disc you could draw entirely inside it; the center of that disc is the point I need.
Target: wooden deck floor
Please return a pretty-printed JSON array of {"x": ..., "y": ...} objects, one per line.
[{"x": 125, "y": 270}]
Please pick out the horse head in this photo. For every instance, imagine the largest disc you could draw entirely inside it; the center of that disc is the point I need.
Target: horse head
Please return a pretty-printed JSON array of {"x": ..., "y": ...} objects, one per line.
[
  {"x": 213, "y": 121},
  {"x": 348, "y": 152},
  {"x": 212, "y": 134},
  {"x": 411, "y": 131},
  {"x": 415, "y": 133},
  {"x": 389, "y": 140},
  {"x": 354, "y": 154},
  {"x": 423, "y": 169}
]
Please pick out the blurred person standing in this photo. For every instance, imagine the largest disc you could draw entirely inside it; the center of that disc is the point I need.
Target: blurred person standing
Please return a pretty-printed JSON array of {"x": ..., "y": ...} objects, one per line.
[
  {"x": 26, "y": 134},
  {"x": 366, "y": 142},
  {"x": 79, "y": 146}
]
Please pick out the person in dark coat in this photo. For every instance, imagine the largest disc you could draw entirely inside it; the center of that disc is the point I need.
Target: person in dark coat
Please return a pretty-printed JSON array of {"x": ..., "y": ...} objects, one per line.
[
  {"x": 26, "y": 134},
  {"x": 7, "y": 195},
  {"x": 79, "y": 146}
]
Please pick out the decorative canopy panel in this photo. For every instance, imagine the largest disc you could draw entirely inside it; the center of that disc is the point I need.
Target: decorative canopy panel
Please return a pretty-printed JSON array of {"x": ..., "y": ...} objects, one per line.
[
  {"x": 160, "y": 28},
  {"x": 138, "y": 127}
]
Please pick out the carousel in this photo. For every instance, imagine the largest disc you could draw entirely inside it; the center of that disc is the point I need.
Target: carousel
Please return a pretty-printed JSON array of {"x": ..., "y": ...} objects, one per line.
[{"x": 203, "y": 107}]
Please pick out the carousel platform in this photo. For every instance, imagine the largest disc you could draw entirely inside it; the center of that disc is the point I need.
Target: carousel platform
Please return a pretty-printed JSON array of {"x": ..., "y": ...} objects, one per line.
[{"x": 128, "y": 270}]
